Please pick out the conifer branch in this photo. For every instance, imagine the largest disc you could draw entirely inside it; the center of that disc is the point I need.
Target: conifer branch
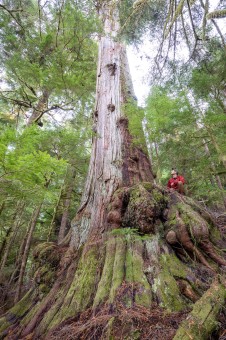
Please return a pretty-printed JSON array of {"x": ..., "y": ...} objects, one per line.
[
  {"x": 11, "y": 11},
  {"x": 221, "y": 13}
]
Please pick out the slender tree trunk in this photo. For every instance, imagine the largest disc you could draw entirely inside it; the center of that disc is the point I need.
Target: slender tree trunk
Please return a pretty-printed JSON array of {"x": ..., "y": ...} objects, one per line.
[
  {"x": 158, "y": 160},
  {"x": 217, "y": 177},
  {"x": 2, "y": 206},
  {"x": 31, "y": 228},
  {"x": 15, "y": 275},
  {"x": 12, "y": 234},
  {"x": 4, "y": 241},
  {"x": 71, "y": 174},
  {"x": 221, "y": 155},
  {"x": 52, "y": 226}
]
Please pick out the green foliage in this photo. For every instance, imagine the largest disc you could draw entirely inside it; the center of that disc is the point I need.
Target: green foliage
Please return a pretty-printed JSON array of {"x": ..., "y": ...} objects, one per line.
[
  {"x": 46, "y": 49},
  {"x": 131, "y": 234},
  {"x": 208, "y": 78},
  {"x": 58, "y": 55},
  {"x": 124, "y": 231},
  {"x": 178, "y": 131},
  {"x": 136, "y": 17},
  {"x": 33, "y": 169},
  {"x": 135, "y": 117}
]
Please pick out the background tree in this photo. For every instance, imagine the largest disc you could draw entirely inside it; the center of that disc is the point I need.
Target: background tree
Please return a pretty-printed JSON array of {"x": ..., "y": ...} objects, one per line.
[
  {"x": 31, "y": 158},
  {"x": 45, "y": 63},
  {"x": 179, "y": 138}
]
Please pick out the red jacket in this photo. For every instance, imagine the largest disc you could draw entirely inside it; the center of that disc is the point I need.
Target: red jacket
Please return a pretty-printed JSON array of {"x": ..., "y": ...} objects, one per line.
[{"x": 173, "y": 182}]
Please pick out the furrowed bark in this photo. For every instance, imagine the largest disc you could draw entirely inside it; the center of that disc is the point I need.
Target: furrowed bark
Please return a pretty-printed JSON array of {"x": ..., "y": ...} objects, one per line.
[{"x": 115, "y": 162}]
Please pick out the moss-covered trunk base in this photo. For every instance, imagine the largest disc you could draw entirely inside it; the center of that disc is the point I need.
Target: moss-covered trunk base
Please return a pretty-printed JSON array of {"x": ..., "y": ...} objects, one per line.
[{"x": 136, "y": 281}]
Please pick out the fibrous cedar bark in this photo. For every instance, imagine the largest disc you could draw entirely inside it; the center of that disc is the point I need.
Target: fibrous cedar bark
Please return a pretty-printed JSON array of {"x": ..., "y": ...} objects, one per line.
[{"x": 140, "y": 257}]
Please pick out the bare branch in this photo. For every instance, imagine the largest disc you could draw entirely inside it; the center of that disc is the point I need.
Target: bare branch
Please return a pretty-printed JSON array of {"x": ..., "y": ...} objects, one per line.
[{"x": 12, "y": 15}]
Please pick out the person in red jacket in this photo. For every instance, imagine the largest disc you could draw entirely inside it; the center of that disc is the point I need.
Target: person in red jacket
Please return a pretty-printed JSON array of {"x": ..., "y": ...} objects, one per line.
[{"x": 176, "y": 182}]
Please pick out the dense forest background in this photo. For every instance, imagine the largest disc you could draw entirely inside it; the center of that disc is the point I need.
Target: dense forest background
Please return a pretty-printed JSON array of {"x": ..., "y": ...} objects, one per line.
[{"x": 48, "y": 66}]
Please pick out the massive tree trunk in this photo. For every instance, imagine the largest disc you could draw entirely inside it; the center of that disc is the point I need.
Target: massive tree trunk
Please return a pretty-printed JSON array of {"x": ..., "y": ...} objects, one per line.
[{"x": 140, "y": 257}]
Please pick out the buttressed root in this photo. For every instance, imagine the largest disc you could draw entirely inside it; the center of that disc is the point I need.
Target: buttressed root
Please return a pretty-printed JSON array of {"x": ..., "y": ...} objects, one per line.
[{"x": 192, "y": 236}]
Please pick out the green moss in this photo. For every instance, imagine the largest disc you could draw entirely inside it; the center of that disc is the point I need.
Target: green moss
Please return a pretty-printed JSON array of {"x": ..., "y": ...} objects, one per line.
[
  {"x": 144, "y": 208},
  {"x": 148, "y": 186},
  {"x": 165, "y": 284},
  {"x": 135, "y": 274},
  {"x": 23, "y": 305},
  {"x": 173, "y": 265},
  {"x": 29, "y": 316},
  {"x": 17, "y": 311},
  {"x": 104, "y": 285},
  {"x": 166, "y": 287},
  {"x": 118, "y": 269},
  {"x": 202, "y": 320},
  {"x": 135, "y": 335},
  {"x": 48, "y": 321},
  {"x": 83, "y": 286},
  {"x": 193, "y": 221},
  {"x": 4, "y": 324},
  {"x": 136, "y": 193},
  {"x": 110, "y": 328},
  {"x": 172, "y": 221},
  {"x": 46, "y": 258},
  {"x": 43, "y": 288},
  {"x": 45, "y": 251},
  {"x": 129, "y": 264},
  {"x": 215, "y": 234},
  {"x": 157, "y": 196}
]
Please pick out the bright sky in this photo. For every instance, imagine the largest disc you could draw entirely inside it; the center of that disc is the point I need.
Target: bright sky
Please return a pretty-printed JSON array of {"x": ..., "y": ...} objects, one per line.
[{"x": 140, "y": 60}]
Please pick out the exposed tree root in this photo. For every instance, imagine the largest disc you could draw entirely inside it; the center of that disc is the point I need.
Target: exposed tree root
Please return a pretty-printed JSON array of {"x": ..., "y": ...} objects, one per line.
[
  {"x": 191, "y": 231},
  {"x": 116, "y": 284},
  {"x": 201, "y": 322},
  {"x": 208, "y": 247},
  {"x": 187, "y": 290}
]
